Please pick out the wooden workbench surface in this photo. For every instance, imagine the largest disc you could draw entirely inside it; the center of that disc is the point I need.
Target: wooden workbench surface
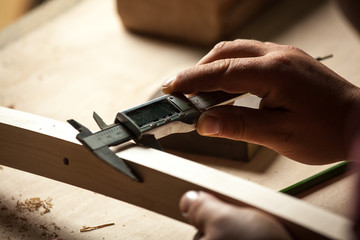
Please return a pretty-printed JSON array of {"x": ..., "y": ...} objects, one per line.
[{"x": 83, "y": 60}]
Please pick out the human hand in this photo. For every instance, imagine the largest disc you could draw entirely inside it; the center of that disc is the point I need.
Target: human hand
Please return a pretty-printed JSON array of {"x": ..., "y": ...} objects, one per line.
[
  {"x": 304, "y": 104},
  {"x": 217, "y": 220}
]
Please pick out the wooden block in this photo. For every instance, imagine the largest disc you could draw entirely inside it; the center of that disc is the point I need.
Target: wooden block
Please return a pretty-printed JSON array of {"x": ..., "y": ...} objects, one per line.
[
  {"x": 192, "y": 142},
  {"x": 197, "y": 21},
  {"x": 39, "y": 145}
]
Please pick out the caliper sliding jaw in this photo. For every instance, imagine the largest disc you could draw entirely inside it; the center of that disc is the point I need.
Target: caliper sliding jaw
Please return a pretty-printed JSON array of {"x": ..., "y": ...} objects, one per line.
[{"x": 144, "y": 124}]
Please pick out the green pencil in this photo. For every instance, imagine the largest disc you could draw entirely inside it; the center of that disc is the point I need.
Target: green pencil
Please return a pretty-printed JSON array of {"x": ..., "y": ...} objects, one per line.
[{"x": 316, "y": 179}]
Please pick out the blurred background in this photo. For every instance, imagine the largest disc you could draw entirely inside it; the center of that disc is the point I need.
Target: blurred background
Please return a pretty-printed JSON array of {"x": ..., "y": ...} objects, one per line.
[
  {"x": 14, "y": 9},
  {"x": 188, "y": 21}
]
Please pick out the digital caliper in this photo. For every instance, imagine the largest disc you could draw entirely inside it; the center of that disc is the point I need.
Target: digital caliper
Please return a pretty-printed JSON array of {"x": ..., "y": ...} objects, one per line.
[{"x": 174, "y": 113}]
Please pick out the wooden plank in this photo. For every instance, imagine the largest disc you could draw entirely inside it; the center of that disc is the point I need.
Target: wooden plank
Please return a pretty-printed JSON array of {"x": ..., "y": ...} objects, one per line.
[{"x": 40, "y": 145}]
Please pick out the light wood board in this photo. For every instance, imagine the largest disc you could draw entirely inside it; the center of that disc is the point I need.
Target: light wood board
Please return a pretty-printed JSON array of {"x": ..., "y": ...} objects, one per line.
[{"x": 39, "y": 145}]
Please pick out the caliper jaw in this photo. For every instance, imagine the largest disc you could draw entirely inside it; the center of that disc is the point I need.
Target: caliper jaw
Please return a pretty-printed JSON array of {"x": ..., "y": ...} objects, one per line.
[{"x": 99, "y": 144}]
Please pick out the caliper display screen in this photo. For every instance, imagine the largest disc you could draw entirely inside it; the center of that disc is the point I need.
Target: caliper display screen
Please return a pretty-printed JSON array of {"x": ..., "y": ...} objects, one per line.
[{"x": 152, "y": 112}]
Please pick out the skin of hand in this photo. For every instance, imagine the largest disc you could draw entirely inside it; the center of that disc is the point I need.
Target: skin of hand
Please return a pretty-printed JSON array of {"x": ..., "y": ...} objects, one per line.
[
  {"x": 216, "y": 220},
  {"x": 304, "y": 105}
]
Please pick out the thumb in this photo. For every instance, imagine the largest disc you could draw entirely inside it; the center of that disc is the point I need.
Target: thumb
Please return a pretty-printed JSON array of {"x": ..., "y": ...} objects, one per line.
[
  {"x": 217, "y": 220},
  {"x": 260, "y": 126},
  {"x": 200, "y": 208}
]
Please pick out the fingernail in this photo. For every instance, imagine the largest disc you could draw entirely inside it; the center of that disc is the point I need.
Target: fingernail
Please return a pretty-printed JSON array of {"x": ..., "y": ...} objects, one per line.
[
  {"x": 168, "y": 82},
  {"x": 209, "y": 125},
  {"x": 186, "y": 202}
]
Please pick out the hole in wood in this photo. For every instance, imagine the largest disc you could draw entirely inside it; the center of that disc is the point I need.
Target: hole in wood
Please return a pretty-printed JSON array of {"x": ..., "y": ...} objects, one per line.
[{"x": 66, "y": 161}]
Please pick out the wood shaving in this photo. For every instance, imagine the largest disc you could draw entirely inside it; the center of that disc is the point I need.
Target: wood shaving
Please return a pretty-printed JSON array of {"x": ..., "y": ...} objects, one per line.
[
  {"x": 87, "y": 229},
  {"x": 34, "y": 204}
]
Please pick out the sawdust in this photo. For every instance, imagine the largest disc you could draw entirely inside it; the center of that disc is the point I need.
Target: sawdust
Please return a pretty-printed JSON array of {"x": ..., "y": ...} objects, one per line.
[
  {"x": 16, "y": 219},
  {"x": 56, "y": 227},
  {"x": 35, "y": 204},
  {"x": 26, "y": 228}
]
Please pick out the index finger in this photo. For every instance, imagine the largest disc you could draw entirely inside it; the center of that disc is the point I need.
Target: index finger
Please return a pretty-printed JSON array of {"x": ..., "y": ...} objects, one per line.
[
  {"x": 240, "y": 48},
  {"x": 235, "y": 75}
]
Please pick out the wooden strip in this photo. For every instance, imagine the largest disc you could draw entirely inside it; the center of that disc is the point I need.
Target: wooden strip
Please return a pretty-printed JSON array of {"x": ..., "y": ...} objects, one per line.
[
  {"x": 88, "y": 229},
  {"x": 48, "y": 148}
]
